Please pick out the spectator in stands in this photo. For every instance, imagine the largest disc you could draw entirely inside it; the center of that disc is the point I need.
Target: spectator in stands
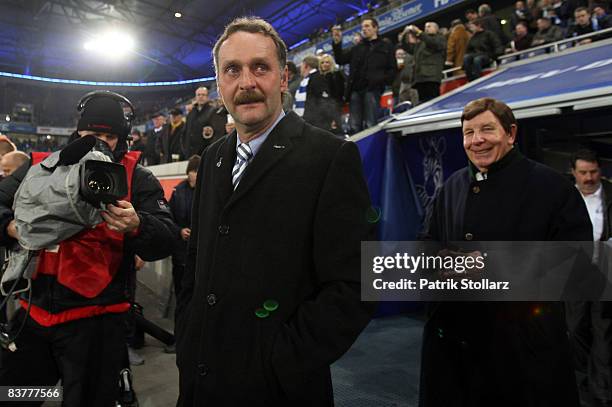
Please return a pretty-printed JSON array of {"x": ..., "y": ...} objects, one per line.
[
  {"x": 357, "y": 38},
  {"x": 471, "y": 15},
  {"x": 535, "y": 11},
  {"x": 521, "y": 13},
  {"x": 294, "y": 84},
  {"x": 400, "y": 57},
  {"x": 490, "y": 22},
  {"x": 522, "y": 38},
  {"x": 482, "y": 49},
  {"x": 566, "y": 9},
  {"x": 456, "y": 45},
  {"x": 152, "y": 154},
  {"x": 546, "y": 32},
  {"x": 582, "y": 25},
  {"x": 180, "y": 205},
  {"x": 327, "y": 89},
  {"x": 372, "y": 67},
  {"x": 11, "y": 161},
  {"x": 601, "y": 19},
  {"x": 406, "y": 92},
  {"x": 308, "y": 67},
  {"x": 429, "y": 50},
  {"x": 137, "y": 144},
  {"x": 172, "y": 143},
  {"x": 204, "y": 125}
]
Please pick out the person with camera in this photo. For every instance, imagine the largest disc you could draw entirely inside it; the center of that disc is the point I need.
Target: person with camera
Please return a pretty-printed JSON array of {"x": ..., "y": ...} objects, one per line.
[{"x": 72, "y": 324}]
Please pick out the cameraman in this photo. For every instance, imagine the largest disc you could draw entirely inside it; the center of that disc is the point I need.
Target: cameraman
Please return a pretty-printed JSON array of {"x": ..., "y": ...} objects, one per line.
[{"x": 69, "y": 335}]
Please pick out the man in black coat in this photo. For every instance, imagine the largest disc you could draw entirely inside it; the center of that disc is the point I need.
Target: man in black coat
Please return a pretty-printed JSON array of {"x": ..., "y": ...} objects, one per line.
[
  {"x": 152, "y": 154},
  {"x": 500, "y": 354},
  {"x": 372, "y": 66},
  {"x": 590, "y": 322},
  {"x": 171, "y": 144},
  {"x": 204, "y": 124},
  {"x": 274, "y": 254},
  {"x": 481, "y": 51}
]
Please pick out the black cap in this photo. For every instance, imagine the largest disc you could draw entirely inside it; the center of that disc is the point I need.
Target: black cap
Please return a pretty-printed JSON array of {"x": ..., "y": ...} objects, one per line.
[
  {"x": 176, "y": 112},
  {"x": 105, "y": 115}
]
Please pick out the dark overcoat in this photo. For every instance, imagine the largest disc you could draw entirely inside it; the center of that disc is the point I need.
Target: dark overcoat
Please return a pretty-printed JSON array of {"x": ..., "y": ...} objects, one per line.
[
  {"x": 290, "y": 233},
  {"x": 502, "y": 354}
]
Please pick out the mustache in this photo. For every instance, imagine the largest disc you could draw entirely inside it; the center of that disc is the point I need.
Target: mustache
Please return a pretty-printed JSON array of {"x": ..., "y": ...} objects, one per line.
[{"x": 249, "y": 97}]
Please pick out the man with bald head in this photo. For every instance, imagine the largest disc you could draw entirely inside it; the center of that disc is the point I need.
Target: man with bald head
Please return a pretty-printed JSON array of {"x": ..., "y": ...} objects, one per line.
[
  {"x": 13, "y": 160},
  {"x": 204, "y": 123}
]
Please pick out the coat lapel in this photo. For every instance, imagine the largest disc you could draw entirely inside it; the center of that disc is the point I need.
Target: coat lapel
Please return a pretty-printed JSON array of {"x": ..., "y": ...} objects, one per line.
[
  {"x": 276, "y": 146},
  {"x": 224, "y": 162}
]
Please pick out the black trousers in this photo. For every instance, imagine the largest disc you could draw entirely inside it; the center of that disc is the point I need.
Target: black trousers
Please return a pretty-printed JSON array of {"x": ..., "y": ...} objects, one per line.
[
  {"x": 86, "y": 355},
  {"x": 427, "y": 90},
  {"x": 590, "y": 333}
]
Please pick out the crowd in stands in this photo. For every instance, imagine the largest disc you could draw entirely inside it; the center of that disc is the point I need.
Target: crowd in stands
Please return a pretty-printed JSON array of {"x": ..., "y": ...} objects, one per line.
[{"x": 413, "y": 68}]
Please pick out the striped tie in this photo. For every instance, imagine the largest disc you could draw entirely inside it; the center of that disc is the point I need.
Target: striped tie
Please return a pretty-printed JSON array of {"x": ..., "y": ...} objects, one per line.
[{"x": 243, "y": 156}]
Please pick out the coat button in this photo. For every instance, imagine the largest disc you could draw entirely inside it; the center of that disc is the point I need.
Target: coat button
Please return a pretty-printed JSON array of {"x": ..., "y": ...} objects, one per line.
[
  {"x": 211, "y": 299},
  {"x": 475, "y": 189},
  {"x": 224, "y": 229},
  {"x": 469, "y": 236},
  {"x": 202, "y": 370}
]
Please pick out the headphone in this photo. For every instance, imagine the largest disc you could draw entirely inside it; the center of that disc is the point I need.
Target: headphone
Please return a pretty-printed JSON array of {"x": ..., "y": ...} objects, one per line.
[{"x": 125, "y": 102}]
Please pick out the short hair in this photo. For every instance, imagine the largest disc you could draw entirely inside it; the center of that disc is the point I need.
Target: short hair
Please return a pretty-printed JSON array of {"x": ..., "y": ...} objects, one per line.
[
  {"x": 484, "y": 9},
  {"x": 585, "y": 154},
  {"x": 311, "y": 61},
  {"x": 579, "y": 9},
  {"x": 456, "y": 22},
  {"x": 500, "y": 110},
  {"x": 372, "y": 19},
  {"x": 202, "y": 87},
  {"x": 253, "y": 25},
  {"x": 470, "y": 11},
  {"x": 433, "y": 23},
  {"x": 193, "y": 164}
]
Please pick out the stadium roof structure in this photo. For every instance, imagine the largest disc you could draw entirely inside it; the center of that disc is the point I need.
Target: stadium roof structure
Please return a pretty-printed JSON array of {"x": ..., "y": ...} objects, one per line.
[{"x": 46, "y": 37}]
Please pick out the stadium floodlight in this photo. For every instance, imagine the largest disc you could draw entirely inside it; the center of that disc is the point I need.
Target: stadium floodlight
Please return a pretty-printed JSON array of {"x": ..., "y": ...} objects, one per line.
[
  {"x": 112, "y": 44},
  {"x": 178, "y": 14}
]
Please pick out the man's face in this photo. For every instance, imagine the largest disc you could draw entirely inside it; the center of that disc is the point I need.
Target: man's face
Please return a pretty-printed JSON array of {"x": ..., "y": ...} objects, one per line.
[
  {"x": 158, "y": 121},
  {"x": 110, "y": 139},
  {"x": 587, "y": 175},
  {"x": 485, "y": 141},
  {"x": 543, "y": 24},
  {"x": 519, "y": 5},
  {"x": 400, "y": 54},
  {"x": 304, "y": 70},
  {"x": 176, "y": 118},
  {"x": 582, "y": 17},
  {"x": 599, "y": 11},
  {"x": 471, "y": 16},
  {"x": 201, "y": 96},
  {"x": 521, "y": 30},
  {"x": 250, "y": 79},
  {"x": 368, "y": 30},
  {"x": 431, "y": 28}
]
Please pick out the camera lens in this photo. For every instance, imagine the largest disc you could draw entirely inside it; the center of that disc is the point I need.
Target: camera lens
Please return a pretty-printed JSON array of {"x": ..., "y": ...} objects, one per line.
[{"x": 99, "y": 182}]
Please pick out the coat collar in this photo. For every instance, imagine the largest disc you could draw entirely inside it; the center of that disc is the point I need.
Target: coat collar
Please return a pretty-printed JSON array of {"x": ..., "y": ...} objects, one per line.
[{"x": 276, "y": 146}]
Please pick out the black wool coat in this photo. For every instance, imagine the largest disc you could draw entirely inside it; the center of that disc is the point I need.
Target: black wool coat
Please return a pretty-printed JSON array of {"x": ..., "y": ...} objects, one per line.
[
  {"x": 290, "y": 233},
  {"x": 502, "y": 353}
]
